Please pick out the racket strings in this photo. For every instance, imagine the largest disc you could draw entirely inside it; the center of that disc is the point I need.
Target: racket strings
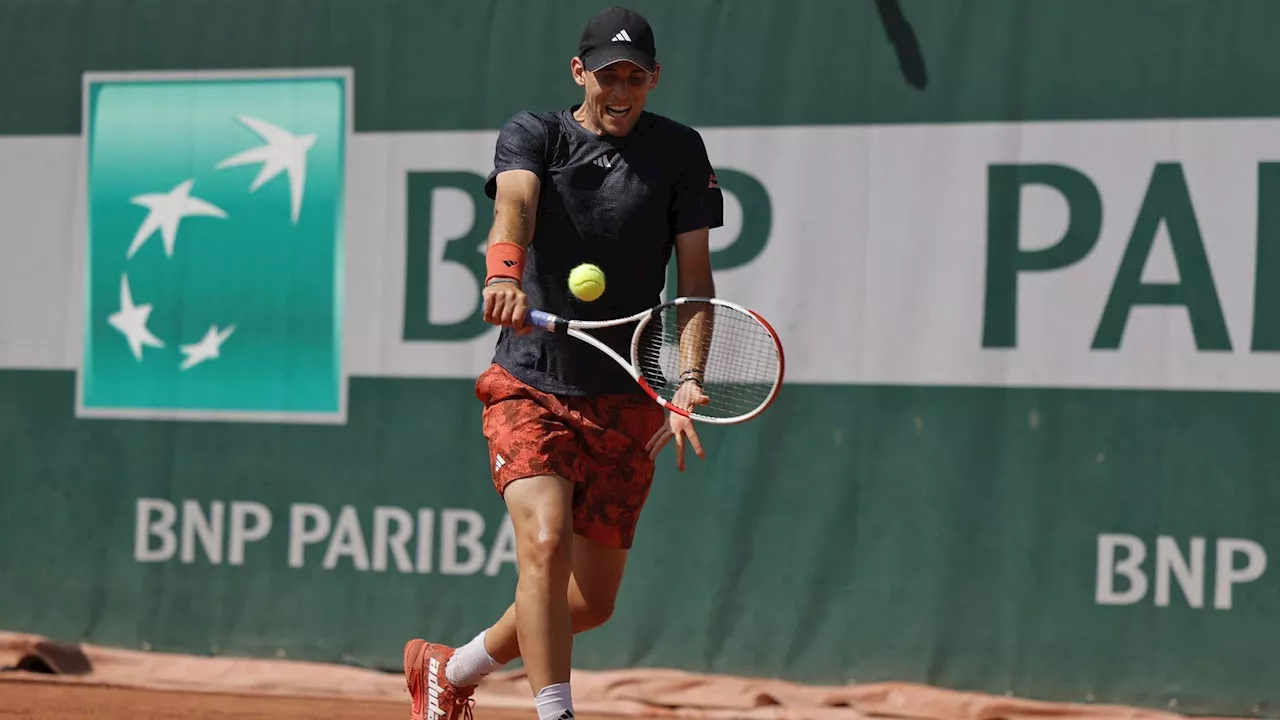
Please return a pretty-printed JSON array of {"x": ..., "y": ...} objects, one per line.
[{"x": 737, "y": 356}]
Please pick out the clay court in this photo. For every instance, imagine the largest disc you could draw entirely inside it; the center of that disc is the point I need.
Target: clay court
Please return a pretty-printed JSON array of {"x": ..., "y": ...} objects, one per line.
[
  {"x": 27, "y": 700},
  {"x": 45, "y": 680}
]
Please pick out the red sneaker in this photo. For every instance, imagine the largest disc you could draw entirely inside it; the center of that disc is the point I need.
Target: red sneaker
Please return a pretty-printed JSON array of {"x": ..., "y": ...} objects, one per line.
[{"x": 431, "y": 694}]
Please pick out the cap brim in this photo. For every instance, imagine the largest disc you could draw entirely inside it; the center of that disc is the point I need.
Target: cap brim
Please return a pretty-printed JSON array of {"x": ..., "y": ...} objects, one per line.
[{"x": 616, "y": 54}]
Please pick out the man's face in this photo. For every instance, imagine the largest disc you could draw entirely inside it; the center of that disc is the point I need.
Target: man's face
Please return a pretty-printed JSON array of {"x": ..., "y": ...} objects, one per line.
[{"x": 615, "y": 95}]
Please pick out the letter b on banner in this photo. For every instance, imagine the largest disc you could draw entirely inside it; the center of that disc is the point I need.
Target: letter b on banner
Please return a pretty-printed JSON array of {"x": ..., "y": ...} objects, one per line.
[{"x": 459, "y": 268}]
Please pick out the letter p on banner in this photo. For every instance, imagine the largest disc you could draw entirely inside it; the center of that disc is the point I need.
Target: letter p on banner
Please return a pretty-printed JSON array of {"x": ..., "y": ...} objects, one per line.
[
  {"x": 1228, "y": 575},
  {"x": 1005, "y": 256}
]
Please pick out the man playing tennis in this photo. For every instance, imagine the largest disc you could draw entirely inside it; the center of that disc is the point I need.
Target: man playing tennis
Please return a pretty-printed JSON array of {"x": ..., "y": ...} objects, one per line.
[{"x": 572, "y": 437}]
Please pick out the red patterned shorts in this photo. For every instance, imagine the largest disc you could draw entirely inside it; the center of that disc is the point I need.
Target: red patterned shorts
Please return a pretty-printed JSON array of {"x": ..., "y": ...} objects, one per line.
[{"x": 595, "y": 442}]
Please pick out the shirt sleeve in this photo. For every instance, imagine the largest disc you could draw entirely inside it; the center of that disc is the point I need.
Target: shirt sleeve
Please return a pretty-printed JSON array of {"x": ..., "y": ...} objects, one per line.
[
  {"x": 698, "y": 202},
  {"x": 521, "y": 145}
]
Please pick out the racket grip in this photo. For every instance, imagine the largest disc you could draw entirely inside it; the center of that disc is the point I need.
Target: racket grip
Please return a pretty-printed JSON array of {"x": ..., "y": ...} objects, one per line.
[{"x": 541, "y": 320}]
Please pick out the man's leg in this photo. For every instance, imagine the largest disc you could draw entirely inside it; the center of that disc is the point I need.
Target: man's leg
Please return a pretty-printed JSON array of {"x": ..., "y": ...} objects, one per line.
[
  {"x": 530, "y": 438},
  {"x": 541, "y": 514},
  {"x": 532, "y": 450},
  {"x": 606, "y": 509},
  {"x": 593, "y": 589}
]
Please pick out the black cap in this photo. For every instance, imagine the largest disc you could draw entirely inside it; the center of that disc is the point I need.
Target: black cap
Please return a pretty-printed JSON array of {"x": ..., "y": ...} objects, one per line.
[{"x": 617, "y": 34}]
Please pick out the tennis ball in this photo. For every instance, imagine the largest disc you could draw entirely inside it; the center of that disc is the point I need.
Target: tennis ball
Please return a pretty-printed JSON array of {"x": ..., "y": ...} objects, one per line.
[{"x": 586, "y": 282}]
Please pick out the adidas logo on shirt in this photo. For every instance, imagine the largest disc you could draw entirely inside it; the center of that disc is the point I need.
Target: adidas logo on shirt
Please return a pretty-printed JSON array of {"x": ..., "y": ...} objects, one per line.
[
  {"x": 602, "y": 161},
  {"x": 622, "y": 37}
]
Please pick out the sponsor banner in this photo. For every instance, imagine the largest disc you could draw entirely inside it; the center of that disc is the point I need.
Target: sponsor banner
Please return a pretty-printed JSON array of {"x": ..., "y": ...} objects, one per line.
[
  {"x": 1084, "y": 254},
  {"x": 1128, "y": 581},
  {"x": 214, "y": 245},
  {"x": 1062, "y": 545},
  {"x": 386, "y": 538}
]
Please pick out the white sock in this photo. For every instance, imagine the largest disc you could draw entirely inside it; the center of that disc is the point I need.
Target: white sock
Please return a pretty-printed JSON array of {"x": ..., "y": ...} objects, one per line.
[
  {"x": 555, "y": 703},
  {"x": 470, "y": 663}
]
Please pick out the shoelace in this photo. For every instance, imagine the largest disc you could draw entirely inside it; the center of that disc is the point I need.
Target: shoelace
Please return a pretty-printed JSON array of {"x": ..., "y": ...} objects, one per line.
[{"x": 467, "y": 704}]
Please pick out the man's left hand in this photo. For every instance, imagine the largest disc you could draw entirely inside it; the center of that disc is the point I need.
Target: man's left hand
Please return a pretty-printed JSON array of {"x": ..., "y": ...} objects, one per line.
[{"x": 678, "y": 426}]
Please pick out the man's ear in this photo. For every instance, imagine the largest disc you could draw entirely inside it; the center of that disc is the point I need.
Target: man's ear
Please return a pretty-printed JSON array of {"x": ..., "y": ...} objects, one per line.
[
  {"x": 579, "y": 71},
  {"x": 653, "y": 78}
]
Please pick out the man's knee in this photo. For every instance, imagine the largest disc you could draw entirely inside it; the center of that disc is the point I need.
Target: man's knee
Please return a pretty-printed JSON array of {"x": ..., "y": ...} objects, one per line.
[
  {"x": 541, "y": 515},
  {"x": 592, "y": 613},
  {"x": 543, "y": 548},
  {"x": 597, "y": 576}
]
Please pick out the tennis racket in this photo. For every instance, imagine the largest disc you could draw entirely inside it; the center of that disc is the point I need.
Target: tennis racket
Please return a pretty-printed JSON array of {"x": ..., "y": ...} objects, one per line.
[{"x": 732, "y": 352}]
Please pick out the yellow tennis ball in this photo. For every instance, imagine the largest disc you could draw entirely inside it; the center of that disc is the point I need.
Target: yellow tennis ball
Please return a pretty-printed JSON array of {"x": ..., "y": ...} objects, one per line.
[{"x": 586, "y": 282}]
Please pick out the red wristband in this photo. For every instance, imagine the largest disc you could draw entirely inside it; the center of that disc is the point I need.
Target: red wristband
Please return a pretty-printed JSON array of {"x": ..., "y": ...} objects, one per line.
[{"x": 505, "y": 260}]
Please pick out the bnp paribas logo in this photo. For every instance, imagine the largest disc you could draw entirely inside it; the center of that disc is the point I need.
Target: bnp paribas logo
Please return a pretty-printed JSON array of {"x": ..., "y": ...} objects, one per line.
[{"x": 214, "y": 255}]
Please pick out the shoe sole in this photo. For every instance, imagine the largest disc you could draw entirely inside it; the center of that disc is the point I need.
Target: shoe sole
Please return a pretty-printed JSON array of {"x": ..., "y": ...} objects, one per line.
[{"x": 413, "y": 651}]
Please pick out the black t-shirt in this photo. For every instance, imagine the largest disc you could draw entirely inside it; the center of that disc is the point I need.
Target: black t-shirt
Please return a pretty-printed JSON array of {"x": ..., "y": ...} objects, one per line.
[{"x": 615, "y": 202}]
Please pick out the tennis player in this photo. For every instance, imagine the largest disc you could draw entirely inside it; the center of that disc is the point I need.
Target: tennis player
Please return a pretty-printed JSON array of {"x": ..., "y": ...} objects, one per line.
[{"x": 572, "y": 438}]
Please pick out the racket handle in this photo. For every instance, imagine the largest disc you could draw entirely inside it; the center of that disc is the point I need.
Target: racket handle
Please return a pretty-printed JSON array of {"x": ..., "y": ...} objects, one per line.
[{"x": 542, "y": 320}]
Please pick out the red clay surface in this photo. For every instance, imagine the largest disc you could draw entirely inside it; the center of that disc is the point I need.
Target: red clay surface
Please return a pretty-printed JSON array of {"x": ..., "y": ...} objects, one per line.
[{"x": 34, "y": 700}]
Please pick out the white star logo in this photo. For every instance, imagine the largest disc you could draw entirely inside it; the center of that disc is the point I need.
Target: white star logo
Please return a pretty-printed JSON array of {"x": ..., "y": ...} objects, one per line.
[
  {"x": 284, "y": 151},
  {"x": 131, "y": 321},
  {"x": 208, "y": 347},
  {"x": 167, "y": 211}
]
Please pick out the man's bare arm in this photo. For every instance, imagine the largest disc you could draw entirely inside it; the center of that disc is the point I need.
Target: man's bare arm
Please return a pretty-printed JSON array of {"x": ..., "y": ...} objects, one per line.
[
  {"x": 694, "y": 279},
  {"x": 693, "y": 264},
  {"x": 515, "y": 207}
]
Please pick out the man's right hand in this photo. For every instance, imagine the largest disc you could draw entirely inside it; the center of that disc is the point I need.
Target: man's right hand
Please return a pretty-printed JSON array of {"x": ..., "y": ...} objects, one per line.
[{"x": 505, "y": 305}]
